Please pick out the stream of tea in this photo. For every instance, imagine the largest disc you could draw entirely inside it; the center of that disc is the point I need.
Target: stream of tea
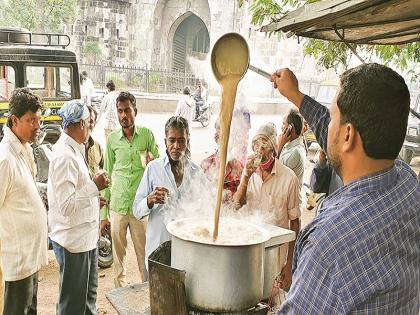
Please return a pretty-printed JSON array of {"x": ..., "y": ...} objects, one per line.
[{"x": 231, "y": 58}]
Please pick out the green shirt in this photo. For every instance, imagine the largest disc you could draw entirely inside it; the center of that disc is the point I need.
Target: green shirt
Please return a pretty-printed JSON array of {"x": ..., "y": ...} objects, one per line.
[{"x": 123, "y": 164}]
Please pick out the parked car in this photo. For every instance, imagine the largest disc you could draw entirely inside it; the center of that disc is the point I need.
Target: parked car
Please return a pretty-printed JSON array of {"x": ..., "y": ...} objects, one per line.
[{"x": 411, "y": 146}]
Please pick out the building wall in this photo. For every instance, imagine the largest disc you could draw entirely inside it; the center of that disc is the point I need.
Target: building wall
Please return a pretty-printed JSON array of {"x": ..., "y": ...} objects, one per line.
[
  {"x": 140, "y": 33},
  {"x": 105, "y": 23}
]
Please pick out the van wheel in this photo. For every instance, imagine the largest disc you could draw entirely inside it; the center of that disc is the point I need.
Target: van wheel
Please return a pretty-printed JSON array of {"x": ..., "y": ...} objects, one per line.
[{"x": 406, "y": 155}]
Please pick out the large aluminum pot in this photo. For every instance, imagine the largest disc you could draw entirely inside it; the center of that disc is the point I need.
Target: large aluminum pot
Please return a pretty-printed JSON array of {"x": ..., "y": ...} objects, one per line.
[
  {"x": 272, "y": 266},
  {"x": 271, "y": 269},
  {"x": 219, "y": 278}
]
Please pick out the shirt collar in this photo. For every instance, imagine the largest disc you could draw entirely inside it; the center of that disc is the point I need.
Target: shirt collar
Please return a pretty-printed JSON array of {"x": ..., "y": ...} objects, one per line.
[
  {"x": 294, "y": 143},
  {"x": 273, "y": 170},
  {"x": 14, "y": 141},
  {"x": 73, "y": 143},
  {"x": 165, "y": 159},
  {"x": 122, "y": 135},
  {"x": 382, "y": 180},
  {"x": 187, "y": 162}
]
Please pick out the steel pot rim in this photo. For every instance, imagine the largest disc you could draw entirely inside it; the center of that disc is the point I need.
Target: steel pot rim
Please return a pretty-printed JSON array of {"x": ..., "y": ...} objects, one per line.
[{"x": 265, "y": 235}]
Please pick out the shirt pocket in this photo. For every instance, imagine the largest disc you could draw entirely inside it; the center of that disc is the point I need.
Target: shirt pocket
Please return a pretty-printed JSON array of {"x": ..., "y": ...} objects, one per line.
[
  {"x": 87, "y": 210},
  {"x": 252, "y": 202},
  {"x": 141, "y": 156},
  {"x": 278, "y": 210},
  {"x": 87, "y": 206}
]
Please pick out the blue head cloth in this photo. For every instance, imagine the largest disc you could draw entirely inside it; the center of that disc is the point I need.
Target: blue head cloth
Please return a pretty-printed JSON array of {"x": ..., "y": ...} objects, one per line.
[{"x": 72, "y": 112}]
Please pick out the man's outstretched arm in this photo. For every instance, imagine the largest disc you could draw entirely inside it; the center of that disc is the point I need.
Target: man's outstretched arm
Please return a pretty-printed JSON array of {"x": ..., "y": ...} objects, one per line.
[{"x": 317, "y": 116}]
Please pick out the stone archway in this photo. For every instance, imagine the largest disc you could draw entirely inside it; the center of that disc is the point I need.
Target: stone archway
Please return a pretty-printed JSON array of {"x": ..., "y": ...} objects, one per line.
[
  {"x": 190, "y": 39},
  {"x": 167, "y": 18}
]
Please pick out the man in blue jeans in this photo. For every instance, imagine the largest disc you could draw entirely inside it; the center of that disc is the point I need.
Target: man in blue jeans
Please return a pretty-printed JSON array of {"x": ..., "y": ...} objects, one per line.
[{"x": 74, "y": 213}]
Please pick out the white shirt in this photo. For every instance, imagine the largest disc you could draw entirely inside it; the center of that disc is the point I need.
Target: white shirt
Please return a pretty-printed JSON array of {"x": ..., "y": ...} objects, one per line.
[
  {"x": 185, "y": 108},
  {"x": 159, "y": 173},
  {"x": 23, "y": 218},
  {"x": 277, "y": 198},
  {"x": 73, "y": 198},
  {"x": 90, "y": 86},
  {"x": 109, "y": 110},
  {"x": 203, "y": 93},
  {"x": 87, "y": 90}
]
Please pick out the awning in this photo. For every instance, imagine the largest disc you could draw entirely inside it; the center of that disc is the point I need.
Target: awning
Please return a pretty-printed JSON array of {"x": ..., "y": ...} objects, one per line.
[{"x": 354, "y": 21}]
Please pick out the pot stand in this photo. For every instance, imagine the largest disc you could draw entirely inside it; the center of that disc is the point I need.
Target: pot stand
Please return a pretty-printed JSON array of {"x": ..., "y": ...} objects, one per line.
[{"x": 167, "y": 288}]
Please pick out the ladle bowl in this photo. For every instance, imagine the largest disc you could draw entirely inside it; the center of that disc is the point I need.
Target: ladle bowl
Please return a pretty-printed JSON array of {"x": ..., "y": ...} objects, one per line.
[
  {"x": 229, "y": 61},
  {"x": 230, "y": 56}
]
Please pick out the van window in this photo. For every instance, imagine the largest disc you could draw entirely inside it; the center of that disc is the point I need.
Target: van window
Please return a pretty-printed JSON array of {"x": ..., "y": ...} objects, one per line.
[
  {"x": 50, "y": 82},
  {"x": 7, "y": 82}
]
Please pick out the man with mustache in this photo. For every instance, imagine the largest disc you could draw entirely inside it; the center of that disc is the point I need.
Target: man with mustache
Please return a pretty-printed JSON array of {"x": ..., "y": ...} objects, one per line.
[
  {"x": 23, "y": 218},
  {"x": 361, "y": 254},
  {"x": 273, "y": 189},
  {"x": 167, "y": 182},
  {"x": 128, "y": 150}
]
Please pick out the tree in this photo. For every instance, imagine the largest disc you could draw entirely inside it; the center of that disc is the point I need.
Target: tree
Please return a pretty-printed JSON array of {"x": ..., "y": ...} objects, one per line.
[
  {"x": 333, "y": 55},
  {"x": 93, "y": 51},
  {"x": 38, "y": 15}
]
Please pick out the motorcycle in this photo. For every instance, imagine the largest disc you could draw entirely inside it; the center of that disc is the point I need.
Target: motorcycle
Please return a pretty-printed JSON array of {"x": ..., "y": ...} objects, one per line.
[
  {"x": 313, "y": 200},
  {"x": 105, "y": 257},
  {"x": 204, "y": 112}
]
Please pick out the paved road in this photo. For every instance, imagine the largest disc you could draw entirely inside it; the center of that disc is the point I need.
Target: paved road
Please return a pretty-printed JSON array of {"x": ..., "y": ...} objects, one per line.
[{"x": 202, "y": 141}]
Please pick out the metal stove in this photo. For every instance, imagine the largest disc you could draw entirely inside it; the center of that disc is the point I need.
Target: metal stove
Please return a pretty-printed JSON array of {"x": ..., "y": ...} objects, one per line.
[
  {"x": 167, "y": 289},
  {"x": 259, "y": 309}
]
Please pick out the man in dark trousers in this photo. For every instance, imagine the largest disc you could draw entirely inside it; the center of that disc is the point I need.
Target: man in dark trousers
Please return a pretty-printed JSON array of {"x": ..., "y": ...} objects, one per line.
[{"x": 23, "y": 218}]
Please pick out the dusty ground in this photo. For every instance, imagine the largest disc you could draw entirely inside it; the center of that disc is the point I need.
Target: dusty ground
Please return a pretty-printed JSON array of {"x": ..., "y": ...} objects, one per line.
[{"x": 48, "y": 285}]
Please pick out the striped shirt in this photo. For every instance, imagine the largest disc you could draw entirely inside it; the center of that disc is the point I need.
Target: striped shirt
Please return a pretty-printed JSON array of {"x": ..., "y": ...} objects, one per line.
[{"x": 361, "y": 255}]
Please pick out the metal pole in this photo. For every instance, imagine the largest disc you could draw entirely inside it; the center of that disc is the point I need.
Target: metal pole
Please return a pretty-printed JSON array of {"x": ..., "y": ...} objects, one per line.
[
  {"x": 348, "y": 45},
  {"x": 147, "y": 78}
]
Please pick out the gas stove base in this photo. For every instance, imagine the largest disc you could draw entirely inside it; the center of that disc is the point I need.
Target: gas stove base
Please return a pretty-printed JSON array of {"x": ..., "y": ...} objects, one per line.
[{"x": 259, "y": 309}]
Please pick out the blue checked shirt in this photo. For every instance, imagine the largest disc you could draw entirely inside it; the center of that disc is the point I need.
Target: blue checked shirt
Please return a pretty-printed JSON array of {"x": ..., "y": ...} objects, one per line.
[{"x": 361, "y": 255}]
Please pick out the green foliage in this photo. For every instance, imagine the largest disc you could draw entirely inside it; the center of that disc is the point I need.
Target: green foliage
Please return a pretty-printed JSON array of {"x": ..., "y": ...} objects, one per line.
[
  {"x": 399, "y": 55},
  {"x": 116, "y": 78},
  {"x": 334, "y": 55},
  {"x": 137, "y": 80},
  {"x": 330, "y": 55},
  {"x": 155, "y": 80},
  {"x": 93, "y": 51},
  {"x": 38, "y": 15},
  {"x": 263, "y": 9}
]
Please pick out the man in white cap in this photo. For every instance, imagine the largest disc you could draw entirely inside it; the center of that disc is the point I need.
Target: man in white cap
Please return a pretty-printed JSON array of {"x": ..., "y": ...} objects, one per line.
[
  {"x": 74, "y": 213},
  {"x": 273, "y": 189}
]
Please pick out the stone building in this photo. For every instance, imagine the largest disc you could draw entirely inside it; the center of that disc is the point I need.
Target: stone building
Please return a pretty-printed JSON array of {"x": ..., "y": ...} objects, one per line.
[
  {"x": 164, "y": 33},
  {"x": 175, "y": 35}
]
